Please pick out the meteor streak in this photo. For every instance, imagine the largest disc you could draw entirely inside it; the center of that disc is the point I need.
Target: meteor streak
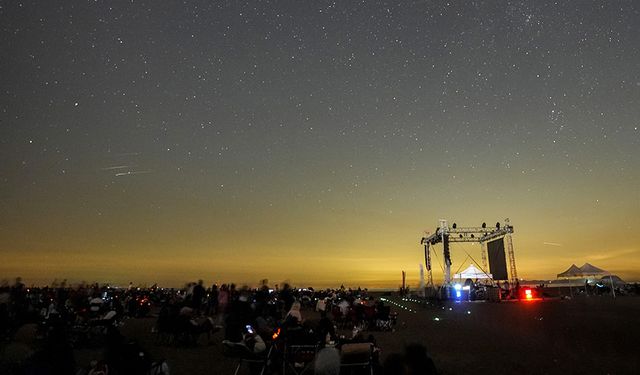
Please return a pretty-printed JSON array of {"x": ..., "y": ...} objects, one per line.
[{"x": 130, "y": 173}]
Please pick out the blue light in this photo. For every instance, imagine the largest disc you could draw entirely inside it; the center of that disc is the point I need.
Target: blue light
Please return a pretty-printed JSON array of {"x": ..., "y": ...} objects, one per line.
[
  {"x": 457, "y": 286},
  {"x": 458, "y": 294}
]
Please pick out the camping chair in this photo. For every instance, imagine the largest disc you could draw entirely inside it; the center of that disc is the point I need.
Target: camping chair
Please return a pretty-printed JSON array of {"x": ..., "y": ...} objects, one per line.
[
  {"x": 356, "y": 356},
  {"x": 298, "y": 359},
  {"x": 247, "y": 358}
]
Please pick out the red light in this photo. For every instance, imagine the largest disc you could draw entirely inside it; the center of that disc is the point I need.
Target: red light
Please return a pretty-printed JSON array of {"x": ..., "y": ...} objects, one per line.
[{"x": 527, "y": 294}]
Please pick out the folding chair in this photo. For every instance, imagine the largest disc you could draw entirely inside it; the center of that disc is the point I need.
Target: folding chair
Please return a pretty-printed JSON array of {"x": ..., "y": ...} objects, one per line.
[
  {"x": 356, "y": 356},
  {"x": 298, "y": 359},
  {"x": 246, "y": 358}
]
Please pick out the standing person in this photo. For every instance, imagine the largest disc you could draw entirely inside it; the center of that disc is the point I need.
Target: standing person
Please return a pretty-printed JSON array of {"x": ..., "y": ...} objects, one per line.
[
  {"x": 19, "y": 300},
  {"x": 286, "y": 295},
  {"x": 418, "y": 360},
  {"x": 198, "y": 296},
  {"x": 213, "y": 300},
  {"x": 223, "y": 301},
  {"x": 239, "y": 315},
  {"x": 262, "y": 300},
  {"x": 233, "y": 293}
]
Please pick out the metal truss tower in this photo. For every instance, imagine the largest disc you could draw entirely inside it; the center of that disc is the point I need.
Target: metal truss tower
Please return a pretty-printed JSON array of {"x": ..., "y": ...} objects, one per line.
[
  {"x": 481, "y": 235},
  {"x": 512, "y": 260},
  {"x": 483, "y": 250}
]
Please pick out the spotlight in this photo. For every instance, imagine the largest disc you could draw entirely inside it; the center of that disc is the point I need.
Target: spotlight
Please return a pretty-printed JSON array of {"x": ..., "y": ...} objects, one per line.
[
  {"x": 460, "y": 235},
  {"x": 498, "y": 225},
  {"x": 472, "y": 236},
  {"x": 454, "y": 225},
  {"x": 484, "y": 225}
]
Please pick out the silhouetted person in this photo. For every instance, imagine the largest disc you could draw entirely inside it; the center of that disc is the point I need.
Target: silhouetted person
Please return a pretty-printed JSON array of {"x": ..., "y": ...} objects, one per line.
[
  {"x": 240, "y": 314},
  {"x": 394, "y": 365},
  {"x": 262, "y": 299},
  {"x": 198, "y": 296},
  {"x": 325, "y": 327},
  {"x": 418, "y": 361},
  {"x": 213, "y": 300},
  {"x": 19, "y": 300},
  {"x": 223, "y": 303},
  {"x": 56, "y": 356},
  {"x": 287, "y": 297}
]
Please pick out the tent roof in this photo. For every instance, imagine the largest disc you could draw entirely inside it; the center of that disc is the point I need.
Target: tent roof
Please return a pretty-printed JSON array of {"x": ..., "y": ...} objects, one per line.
[
  {"x": 573, "y": 271},
  {"x": 472, "y": 273},
  {"x": 586, "y": 270}
]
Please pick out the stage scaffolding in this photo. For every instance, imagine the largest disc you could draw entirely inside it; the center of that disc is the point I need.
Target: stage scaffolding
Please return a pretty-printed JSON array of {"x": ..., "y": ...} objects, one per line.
[{"x": 445, "y": 234}]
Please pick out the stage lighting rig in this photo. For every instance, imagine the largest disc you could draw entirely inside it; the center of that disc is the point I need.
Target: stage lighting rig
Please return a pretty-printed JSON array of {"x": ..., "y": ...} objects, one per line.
[{"x": 445, "y": 234}]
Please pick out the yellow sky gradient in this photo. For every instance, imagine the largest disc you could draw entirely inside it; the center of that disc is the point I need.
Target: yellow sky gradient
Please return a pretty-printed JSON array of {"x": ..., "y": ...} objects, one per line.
[{"x": 362, "y": 246}]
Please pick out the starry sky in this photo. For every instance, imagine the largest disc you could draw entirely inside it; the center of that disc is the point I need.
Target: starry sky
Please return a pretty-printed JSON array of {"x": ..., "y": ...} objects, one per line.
[{"x": 314, "y": 141}]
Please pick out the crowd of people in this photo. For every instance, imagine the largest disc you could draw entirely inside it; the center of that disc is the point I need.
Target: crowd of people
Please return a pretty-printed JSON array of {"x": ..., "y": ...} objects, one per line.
[
  {"x": 331, "y": 324},
  {"x": 40, "y": 327},
  {"x": 262, "y": 322}
]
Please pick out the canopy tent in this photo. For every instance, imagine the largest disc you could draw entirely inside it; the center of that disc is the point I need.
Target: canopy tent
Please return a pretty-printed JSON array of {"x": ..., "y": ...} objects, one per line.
[
  {"x": 573, "y": 271},
  {"x": 586, "y": 270},
  {"x": 472, "y": 273},
  {"x": 591, "y": 270}
]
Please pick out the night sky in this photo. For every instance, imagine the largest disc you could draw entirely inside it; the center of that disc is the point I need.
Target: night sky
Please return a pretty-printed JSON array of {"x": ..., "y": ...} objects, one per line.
[{"x": 314, "y": 141}]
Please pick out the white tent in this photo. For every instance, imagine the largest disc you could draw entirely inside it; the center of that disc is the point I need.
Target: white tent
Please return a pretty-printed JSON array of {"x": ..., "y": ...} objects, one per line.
[
  {"x": 591, "y": 270},
  {"x": 584, "y": 271},
  {"x": 472, "y": 273},
  {"x": 573, "y": 271},
  {"x": 588, "y": 270}
]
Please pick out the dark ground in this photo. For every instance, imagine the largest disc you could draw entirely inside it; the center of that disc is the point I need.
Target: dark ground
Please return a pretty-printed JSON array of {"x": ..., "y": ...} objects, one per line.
[{"x": 586, "y": 335}]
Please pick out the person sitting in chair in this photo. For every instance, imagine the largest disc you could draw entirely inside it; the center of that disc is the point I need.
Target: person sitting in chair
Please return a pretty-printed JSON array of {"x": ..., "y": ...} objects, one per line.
[
  {"x": 294, "y": 312},
  {"x": 251, "y": 343},
  {"x": 254, "y": 342}
]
